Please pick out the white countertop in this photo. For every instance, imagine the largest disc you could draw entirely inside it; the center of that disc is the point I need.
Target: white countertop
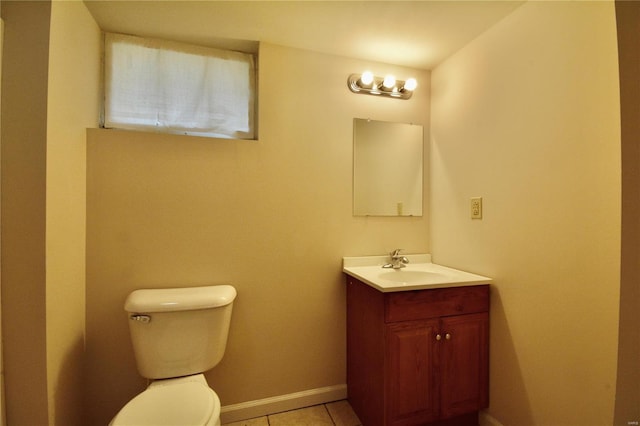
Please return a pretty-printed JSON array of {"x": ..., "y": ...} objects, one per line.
[{"x": 418, "y": 274}]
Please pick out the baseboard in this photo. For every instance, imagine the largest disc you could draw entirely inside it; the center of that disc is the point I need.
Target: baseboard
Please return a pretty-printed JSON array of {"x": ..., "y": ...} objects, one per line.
[
  {"x": 486, "y": 419},
  {"x": 277, "y": 404}
]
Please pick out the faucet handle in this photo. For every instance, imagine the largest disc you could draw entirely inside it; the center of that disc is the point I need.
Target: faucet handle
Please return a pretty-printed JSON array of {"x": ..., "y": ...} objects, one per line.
[{"x": 395, "y": 253}]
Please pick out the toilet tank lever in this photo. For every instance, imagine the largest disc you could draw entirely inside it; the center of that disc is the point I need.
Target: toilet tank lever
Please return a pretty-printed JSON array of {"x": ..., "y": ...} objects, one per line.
[{"x": 140, "y": 318}]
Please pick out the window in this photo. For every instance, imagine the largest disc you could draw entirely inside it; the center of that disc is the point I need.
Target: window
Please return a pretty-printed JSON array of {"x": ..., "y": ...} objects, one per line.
[{"x": 176, "y": 88}]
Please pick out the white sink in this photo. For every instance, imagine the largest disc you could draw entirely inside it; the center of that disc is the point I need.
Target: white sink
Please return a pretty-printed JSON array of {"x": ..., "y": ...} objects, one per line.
[
  {"x": 419, "y": 274},
  {"x": 408, "y": 275}
]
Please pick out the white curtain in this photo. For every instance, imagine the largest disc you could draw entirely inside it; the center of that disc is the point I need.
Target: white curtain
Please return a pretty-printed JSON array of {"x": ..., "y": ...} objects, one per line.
[{"x": 178, "y": 88}]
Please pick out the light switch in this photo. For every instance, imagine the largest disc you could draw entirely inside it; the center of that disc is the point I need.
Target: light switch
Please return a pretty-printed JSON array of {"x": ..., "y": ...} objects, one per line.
[{"x": 476, "y": 208}]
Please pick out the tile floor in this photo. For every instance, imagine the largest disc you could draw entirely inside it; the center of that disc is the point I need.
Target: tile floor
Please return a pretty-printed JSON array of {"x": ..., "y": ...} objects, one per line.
[{"x": 337, "y": 413}]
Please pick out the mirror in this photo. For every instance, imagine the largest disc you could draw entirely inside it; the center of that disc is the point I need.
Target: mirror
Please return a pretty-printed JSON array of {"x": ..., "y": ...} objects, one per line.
[{"x": 387, "y": 168}]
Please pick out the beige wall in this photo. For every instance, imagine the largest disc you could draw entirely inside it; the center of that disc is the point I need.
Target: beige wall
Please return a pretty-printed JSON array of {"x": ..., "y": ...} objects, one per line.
[
  {"x": 272, "y": 217},
  {"x": 24, "y": 137},
  {"x": 527, "y": 116},
  {"x": 73, "y": 97},
  {"x": 49, "y": 96},
  {"x": 628, "y": 385}
]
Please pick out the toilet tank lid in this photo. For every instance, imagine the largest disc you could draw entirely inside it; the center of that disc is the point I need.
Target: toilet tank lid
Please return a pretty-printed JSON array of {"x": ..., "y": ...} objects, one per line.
[{"x": 179, "y": 299}]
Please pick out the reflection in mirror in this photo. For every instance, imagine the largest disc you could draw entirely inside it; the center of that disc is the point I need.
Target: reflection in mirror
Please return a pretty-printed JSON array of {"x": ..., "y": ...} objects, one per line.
[{"x": 387, "y": 168}]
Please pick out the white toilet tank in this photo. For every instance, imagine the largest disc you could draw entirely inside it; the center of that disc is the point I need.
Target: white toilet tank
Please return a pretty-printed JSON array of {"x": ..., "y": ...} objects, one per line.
[{"x": 179, "y": 331}]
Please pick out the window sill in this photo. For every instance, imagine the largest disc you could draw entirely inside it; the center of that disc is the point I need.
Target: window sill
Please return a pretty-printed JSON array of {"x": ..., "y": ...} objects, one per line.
[{"x": 177, "y": 136}]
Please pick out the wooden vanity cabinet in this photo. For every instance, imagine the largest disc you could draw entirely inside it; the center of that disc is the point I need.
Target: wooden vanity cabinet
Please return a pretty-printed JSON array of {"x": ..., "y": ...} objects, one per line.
[{"x": 417, "y": 357}]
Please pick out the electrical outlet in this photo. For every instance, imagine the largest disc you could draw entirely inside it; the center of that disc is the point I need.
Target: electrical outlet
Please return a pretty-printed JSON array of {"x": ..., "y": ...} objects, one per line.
[{"x": 476, "y": 208}]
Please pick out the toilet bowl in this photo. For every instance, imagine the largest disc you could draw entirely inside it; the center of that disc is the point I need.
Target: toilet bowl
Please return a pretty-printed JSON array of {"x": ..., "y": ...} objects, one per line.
[{"x": 185, "y": 401}]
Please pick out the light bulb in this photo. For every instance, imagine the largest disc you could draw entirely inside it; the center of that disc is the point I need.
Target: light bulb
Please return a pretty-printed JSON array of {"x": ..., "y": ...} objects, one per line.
[
  {"x": 389, "y": 82},
  {"x": 366, "y": 78},
  {"x": 410, "y": 84}
]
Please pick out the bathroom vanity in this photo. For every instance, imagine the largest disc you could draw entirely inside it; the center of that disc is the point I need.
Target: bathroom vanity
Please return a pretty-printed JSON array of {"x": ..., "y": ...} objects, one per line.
[{"x": 417, "y": 343}]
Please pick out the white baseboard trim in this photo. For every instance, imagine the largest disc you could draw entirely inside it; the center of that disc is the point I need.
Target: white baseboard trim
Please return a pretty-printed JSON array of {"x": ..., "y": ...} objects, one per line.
[
  {"x": 277, "y": 404},
  {"x": 486, "y": 419}
]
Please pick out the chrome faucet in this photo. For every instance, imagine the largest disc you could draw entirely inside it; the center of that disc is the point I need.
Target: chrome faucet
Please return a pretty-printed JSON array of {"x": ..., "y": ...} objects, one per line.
[{"x": 397, "y": 260}]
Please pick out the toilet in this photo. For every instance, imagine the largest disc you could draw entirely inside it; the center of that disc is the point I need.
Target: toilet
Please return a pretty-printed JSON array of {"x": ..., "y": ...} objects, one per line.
[{"x": 177, "y": 335}]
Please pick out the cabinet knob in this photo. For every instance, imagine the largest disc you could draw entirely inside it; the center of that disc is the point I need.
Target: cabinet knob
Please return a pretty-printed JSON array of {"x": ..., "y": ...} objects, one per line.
[
  {"x": 438, "y": 337},
  {"x": 447, "y": 336}
]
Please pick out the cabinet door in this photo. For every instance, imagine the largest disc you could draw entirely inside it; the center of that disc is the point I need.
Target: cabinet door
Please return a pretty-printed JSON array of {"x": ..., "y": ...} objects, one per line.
[
  {"x": 412, "y": 385},
  {"x": 464, "y": 364}
]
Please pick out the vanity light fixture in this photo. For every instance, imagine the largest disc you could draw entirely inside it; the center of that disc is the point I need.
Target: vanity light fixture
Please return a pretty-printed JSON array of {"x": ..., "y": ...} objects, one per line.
[{"x": 368, "y": 84}]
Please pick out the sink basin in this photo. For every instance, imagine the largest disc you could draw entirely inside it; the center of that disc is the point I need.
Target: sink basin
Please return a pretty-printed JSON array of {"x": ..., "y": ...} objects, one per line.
[{"x": 419, "y": 274}]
